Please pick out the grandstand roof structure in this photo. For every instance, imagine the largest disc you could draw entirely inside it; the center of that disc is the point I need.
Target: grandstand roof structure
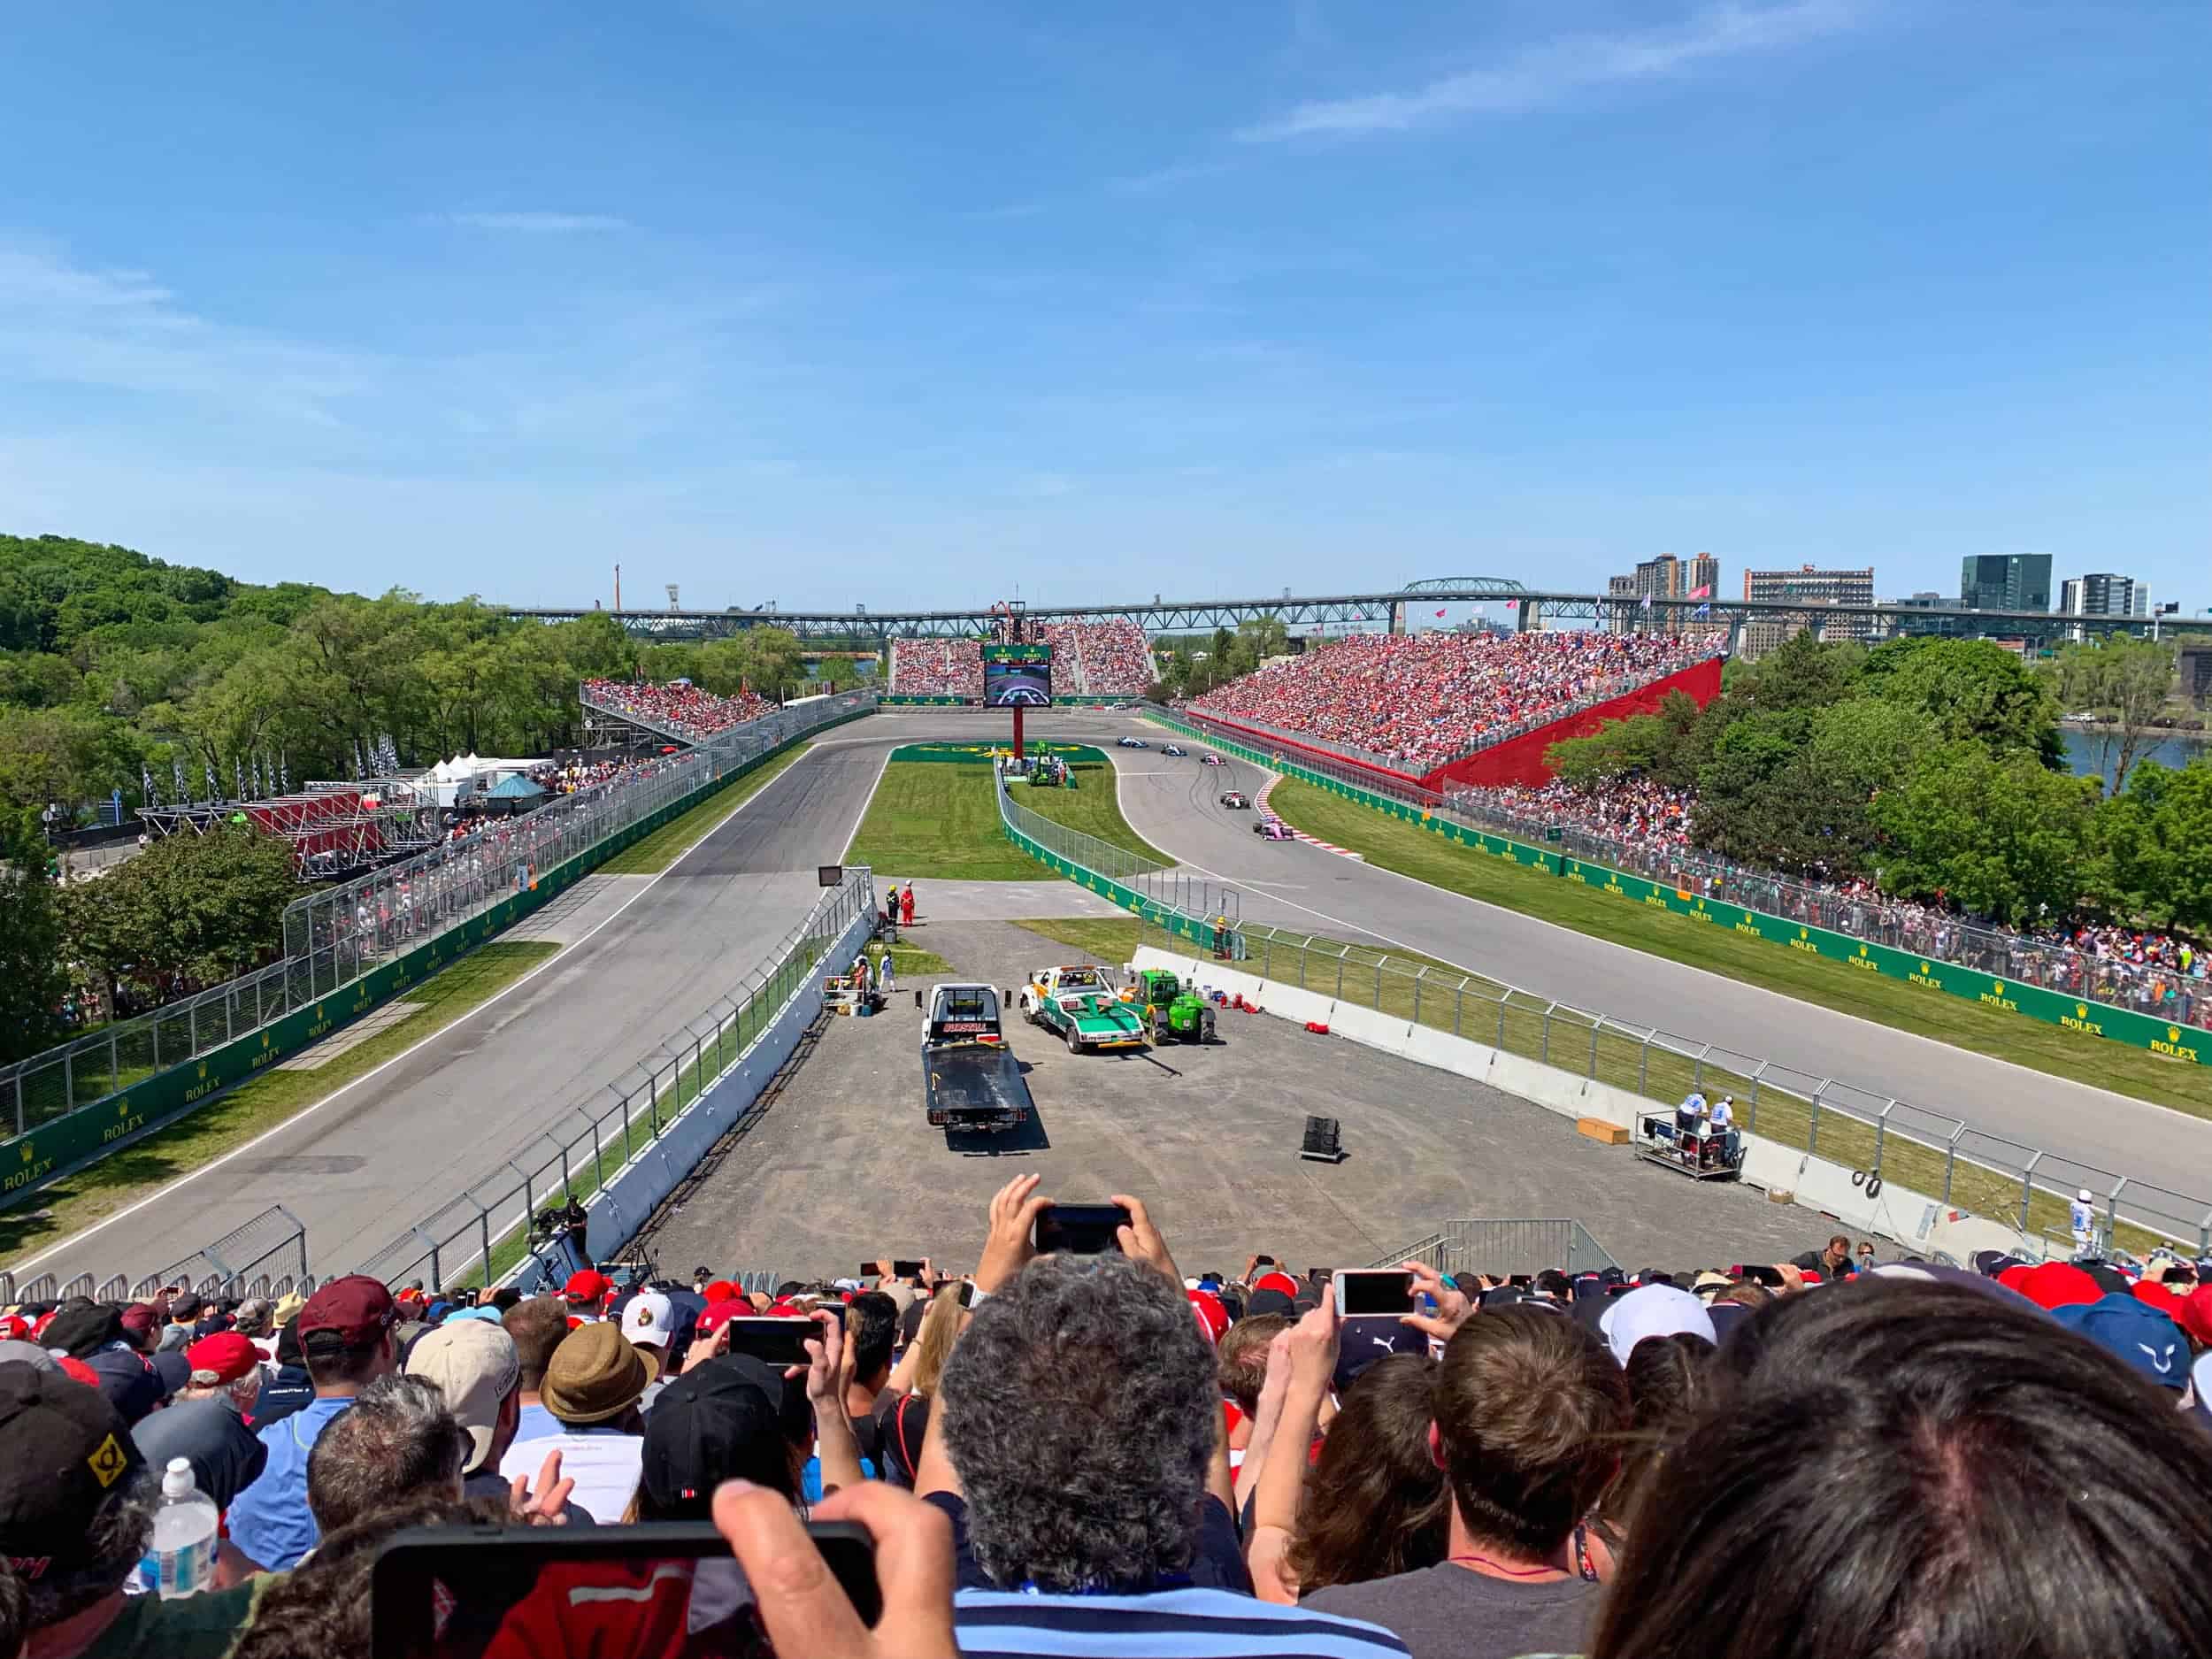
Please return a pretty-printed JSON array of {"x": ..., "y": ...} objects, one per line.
[{"x": 334, "y": 828}]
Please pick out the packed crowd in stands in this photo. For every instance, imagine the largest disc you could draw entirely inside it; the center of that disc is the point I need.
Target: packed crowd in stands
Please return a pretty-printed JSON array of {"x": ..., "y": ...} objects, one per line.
[
  {"x": 936, "y": 668},
  {"x": 1644, "y": 827},
  {"x": 1096, "y": 1453},
  {"x": 1413, "y": 702},
  {"x": 679, "y": 707},
  {"x": 1097, "y": 659}
]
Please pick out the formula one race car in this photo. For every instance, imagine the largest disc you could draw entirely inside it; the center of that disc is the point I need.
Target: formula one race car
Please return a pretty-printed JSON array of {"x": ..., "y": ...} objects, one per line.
[
  {"x": 1174, "y": 748},
  {"x": 1132, "y": 743},
  {"x": 1272, "y": 829},
  {"x": 1236, "y": 800},
  {"x": 1212, "y": 760},
  {"x": 1078, "y": 1004}
]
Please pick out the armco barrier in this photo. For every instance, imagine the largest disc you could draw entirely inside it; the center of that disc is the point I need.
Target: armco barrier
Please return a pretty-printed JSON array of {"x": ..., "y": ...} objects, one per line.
[
  {"x": 2189, "y": 1043},
  {"x": 1107, "y": 871},
  {"x": 630, "y": 1196},
  {"x": 30, "y": 1160}
]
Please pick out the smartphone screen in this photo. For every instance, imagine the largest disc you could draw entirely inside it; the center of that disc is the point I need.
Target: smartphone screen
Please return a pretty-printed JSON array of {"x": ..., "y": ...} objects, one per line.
[
  {"x": 1525, "y": 1281},
  {"x": 1080, "y": 1229},
  {"x": 1374, "y": 1290},
  {"x": 772, "y": 1341},
  {"x": 904, "y": 1269},
  {"x": 458, "y": 1592}
]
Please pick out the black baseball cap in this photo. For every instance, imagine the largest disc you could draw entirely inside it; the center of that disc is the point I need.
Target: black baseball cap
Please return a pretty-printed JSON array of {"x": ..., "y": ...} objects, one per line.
[
  {"x": 734, "y": 1419},
  {"x": 81, "y": 1333},
  {"x": 63, "y": 1450},
  {"x": 1269, "y": 1301}
]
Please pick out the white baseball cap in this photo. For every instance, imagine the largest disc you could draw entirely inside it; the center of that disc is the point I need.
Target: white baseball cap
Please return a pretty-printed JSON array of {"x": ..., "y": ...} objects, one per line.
[
  {"x": 649, "y": 1320},
  {"x": 476, "y": 1364},
  {"x": 1652, "y": 1310}
]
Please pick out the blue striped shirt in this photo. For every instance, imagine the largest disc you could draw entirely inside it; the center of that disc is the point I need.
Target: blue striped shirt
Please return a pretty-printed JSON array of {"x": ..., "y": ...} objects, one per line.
[{"x": 1189, "y": 1623}]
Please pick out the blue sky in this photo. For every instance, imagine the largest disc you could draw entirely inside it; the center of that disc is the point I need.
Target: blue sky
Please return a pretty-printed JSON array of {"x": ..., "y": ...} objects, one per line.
[{"x": 901, "y": 305}]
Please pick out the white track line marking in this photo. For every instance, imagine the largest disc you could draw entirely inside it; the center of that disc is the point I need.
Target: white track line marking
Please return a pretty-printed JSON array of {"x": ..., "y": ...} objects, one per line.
[
  {"x": 861, "y": 816},
  {"x": 305, "y": 1112}
]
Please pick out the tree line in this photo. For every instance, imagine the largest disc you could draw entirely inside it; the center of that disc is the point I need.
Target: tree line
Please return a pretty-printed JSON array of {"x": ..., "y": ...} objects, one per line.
[
  {"x": 1937, "y": 769},
  {"x": 116, "y": 667}
]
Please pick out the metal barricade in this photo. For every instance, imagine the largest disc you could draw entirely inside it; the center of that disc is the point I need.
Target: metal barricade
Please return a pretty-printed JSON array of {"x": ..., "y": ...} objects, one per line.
[
  {"x": 272, "y": 1242},
  {"x": 335, "y": 936},
  {"x": 1499, "y": 1246},
  {"x": 1926, "y": 1151},
  {"x": 482, "y": 1231}
]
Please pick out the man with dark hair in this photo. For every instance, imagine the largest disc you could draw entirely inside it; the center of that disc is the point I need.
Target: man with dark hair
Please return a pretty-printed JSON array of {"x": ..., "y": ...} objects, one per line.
[
  {"x": 76, "y": 1515},
  {"x": 872, "y": 1331},
  {"x": 184, "y": 1316},
  {"x": 345, "y": 1333},
  {"x": 1831, "y": 1263},
  {"x": 1529, "y": 1408},
  {"x": 398, "y": 1440},
  {"x": 1077, "y": 1436},
  {"x": 537, "y": 1327}
]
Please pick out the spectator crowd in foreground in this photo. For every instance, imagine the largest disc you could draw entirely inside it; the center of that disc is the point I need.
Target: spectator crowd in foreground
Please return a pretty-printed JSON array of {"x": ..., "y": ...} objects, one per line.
[
  {"x": 679, "y": 708},
  {"x": 1066, "y": 1453},
  {"x": 1415, "y": 700}
]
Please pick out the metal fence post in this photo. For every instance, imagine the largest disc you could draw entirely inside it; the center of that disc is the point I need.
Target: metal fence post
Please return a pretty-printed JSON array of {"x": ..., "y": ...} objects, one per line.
[
  {"x": 2027, "y": 1188},
  {"x": 1340, "y": 954},
  {"x": 1501, "y": 1003},
  {"x": 1417, "y": 996},
  {"x": 1881, "y": 1134},
  {"x": 1950, "y": 1159},
  {"x": 1594, "y": 1050},
  {"x": 1544, "y": 1053}
]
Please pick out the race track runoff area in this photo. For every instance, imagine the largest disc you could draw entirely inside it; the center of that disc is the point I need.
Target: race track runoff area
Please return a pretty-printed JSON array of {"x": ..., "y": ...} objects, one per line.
[{"x": 1207, "y": 1136}]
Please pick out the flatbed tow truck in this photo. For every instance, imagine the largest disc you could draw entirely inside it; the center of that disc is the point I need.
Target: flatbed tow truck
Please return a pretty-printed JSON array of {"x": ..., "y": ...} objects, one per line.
[{"x": 971, "y": 1079}]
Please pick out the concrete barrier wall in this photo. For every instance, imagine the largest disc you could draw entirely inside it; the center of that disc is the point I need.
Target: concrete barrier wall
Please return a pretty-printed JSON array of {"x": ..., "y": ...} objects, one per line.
[
  {"x": 1910, "y": 1218},
  {"x": 621, "y": 1206}
]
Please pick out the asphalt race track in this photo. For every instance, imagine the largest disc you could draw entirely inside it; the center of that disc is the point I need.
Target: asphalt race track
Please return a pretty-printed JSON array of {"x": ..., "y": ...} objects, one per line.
[
  {"x": 647, "y": 953},
  {"x": 1173, "y": 804}
]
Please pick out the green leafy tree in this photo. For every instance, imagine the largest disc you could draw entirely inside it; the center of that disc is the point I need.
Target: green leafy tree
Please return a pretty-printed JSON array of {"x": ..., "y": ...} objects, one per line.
[
  {"x": 1972, "y": 691},
  {"x": 2154, "y": 848},
  {"x": 31, "y": 979},
  {"x": 1802, "y": 673},
  {"x": 206, "y": 907},
  {"x": 2005, "y": 838}
]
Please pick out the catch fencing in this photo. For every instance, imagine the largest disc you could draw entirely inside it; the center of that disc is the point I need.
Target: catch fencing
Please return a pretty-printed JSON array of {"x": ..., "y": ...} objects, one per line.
[
  {"x": 486, "y": 1228},
  {"x": 1993, "y": 967},
  {"x": 1190, "y": 908},
  {"x": 362, "y": 939},
  {"x": 1897, "y": 1140},
  {"x": 1498, "y": 1246}
]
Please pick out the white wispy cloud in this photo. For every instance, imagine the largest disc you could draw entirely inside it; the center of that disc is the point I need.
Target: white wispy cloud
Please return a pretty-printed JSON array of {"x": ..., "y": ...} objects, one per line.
[
  {"x": 1166, "y": 178},
  {"x": 537, "y": 224},
  {"x": 1545, "y": 74},
  {"x": 64, "y": 323}
]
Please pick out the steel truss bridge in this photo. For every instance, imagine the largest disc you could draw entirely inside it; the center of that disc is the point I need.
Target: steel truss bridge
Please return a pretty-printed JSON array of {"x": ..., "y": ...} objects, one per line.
[{"x": 1395, "y": 608}]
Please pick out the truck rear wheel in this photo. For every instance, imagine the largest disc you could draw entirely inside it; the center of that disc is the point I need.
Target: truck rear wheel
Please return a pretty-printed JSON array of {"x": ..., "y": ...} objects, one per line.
[{"x": 1074, "y": 1046}]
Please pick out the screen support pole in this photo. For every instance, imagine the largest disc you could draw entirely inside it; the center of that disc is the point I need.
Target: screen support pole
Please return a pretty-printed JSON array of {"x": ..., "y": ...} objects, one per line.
[{"x": 1017, "y": 733}]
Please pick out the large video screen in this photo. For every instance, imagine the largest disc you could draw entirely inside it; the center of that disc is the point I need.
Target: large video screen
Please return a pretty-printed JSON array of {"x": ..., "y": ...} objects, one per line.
[{"x": 1016, "y": 676}]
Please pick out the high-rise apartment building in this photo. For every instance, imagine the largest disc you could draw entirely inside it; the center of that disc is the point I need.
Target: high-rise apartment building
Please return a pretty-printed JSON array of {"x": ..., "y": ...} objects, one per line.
[
  {"x": 1816, "y": 590},
  {"x": 2005, "y": 581},
  {"x": 1656, "y": 578},
  {"x": 1620, "y": 616},
  {"x": 2102, "y": 594}
]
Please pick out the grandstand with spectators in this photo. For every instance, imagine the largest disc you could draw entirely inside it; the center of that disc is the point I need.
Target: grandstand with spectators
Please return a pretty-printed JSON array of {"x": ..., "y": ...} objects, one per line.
[
  {"x": 1415, "y": 703},
  {"x": 1089, "y": 659},
  {"x": 679, "y": 710}
]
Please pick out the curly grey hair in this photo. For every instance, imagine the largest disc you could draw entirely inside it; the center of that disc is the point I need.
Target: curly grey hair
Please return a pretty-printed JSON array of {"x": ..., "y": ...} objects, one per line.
[
  {"x": 1080, "y": 1410},
  {"x": 121, "y": 1529},
  {"x": 397, "y": 1438}
]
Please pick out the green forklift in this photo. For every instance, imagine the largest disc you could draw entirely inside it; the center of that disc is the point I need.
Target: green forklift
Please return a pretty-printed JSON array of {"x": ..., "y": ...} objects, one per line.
[{"x": 1173, "y": 1010}]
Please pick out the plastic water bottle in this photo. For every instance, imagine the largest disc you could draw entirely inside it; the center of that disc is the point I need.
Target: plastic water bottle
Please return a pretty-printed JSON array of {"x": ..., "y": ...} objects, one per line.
[{"x": 182, "y": 1560}]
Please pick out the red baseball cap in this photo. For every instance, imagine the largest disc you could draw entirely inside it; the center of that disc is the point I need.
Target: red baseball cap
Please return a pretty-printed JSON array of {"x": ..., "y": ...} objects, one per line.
[
  {"x": 719, "y": 1290},
  {"x": 141, "y": 1320},
  {"x": 2194, "y": 1315},
  {"x": 2052, "y": 1285},
  {"x": 1283, "y": 1282},
  {"x": 223, "y": 1357},
  {"x": 357, "y": 1307},
  {"x": 77, "y": 1370},
  {"x": 13, "y": 1328},
  {"x": 720, "y": 1313},
  {"x": 586, "y": 1285},
  {"x": 1213, "y": 1318}
]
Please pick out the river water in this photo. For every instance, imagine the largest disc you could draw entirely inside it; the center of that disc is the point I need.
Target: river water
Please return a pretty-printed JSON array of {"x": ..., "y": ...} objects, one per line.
[{"x": 2093, "y": 754}]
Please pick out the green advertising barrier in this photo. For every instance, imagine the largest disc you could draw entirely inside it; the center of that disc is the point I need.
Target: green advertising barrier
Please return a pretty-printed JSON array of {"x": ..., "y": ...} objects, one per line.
[
  {"x": 982, "y": 754},
  {"x": 28, "y": 1161},
  {"x": 2054, "y": 1008},
  {"x": 1207, "y": 935}
]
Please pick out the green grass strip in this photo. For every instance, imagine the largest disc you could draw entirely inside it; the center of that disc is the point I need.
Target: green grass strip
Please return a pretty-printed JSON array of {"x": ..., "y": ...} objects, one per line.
[
  {"x": 259, "y": 1103},
  {"x": 1396, "y": 845},
  {"x": 1093, "y": 808},
  {"x": 672, "y": 840}
]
